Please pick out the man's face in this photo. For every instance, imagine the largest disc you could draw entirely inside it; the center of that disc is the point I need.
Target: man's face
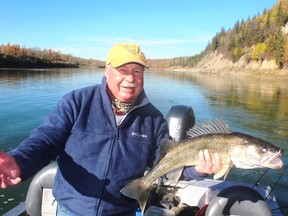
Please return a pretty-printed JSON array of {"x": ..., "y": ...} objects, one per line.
[{"x": 125, "y": 82}]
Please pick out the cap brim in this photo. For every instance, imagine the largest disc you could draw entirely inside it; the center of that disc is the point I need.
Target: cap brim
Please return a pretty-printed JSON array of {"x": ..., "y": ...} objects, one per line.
[{"x": 120, "y": 62}]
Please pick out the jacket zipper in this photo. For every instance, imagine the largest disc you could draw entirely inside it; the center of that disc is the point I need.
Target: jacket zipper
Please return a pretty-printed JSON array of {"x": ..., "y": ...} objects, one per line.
[{"x": 116, "y": 137}]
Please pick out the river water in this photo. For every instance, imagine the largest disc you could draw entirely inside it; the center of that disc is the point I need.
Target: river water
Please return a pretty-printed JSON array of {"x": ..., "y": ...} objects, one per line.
[{"x": 258, "y": 107}]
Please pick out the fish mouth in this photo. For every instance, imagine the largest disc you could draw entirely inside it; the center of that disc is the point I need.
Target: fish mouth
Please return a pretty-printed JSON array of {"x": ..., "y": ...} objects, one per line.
[
  {"x": 273, "y": 161},
  {"x": 270, "y": 160}
]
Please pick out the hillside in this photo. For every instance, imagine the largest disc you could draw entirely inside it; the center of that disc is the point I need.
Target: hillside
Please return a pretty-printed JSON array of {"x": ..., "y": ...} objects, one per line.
[
  {"x": 217, "y": 63},
  {"x": 257, "y": 44}
]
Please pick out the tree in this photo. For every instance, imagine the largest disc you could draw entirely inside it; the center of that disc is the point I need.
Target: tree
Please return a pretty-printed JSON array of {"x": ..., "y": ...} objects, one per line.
[
  {"x": 258, "y": 51},
  {"x": 236, "y": 54},
  {"x": 286, "y": 53},
  {"x": 232, "y": 42},
  {"x": 7, "y": 49},
  {"x": 280, "y": 15},
  {"x": 276, "y": 45},
  {"x": 215, "y": 44}
]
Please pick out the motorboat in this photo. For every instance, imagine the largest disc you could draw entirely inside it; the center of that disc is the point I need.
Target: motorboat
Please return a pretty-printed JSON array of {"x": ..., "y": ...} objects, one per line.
[{"x": 206, "y": 197}]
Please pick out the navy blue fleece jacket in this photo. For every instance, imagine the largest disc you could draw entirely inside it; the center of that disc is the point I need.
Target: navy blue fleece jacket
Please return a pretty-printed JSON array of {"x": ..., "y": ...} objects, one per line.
[{"x": 95, "y": 157}]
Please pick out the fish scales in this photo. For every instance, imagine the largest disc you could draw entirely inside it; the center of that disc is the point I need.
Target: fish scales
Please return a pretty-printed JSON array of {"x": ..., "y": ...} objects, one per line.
[{"x": 186, "y": 153}]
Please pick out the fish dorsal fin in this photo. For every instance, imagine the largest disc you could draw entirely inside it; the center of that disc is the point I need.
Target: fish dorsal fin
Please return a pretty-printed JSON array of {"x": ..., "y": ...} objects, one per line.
[
  {"x": 209, "y": 127},
  {"x": 165, "y": 145}
]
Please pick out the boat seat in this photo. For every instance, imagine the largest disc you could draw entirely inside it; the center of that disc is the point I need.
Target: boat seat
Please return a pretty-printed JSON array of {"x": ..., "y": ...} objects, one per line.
[
  {"x": 238, "y": 200},
  {"x": 39, "y": 198}
]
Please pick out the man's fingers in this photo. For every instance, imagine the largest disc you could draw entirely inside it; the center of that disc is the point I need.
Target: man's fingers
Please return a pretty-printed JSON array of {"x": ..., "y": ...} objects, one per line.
[
  {"x": 201, "y": 157},
  {"x": 217, "y": 162},
  {"x": 4, "y": 182},
  {"x": 209, "y": 162},
  {"x": 15, "y": 181}
]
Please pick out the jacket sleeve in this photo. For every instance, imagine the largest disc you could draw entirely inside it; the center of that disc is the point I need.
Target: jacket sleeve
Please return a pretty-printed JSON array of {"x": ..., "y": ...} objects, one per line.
[
  {"x": 48, "y": 140},
  {"x": 190, "y": 173}
]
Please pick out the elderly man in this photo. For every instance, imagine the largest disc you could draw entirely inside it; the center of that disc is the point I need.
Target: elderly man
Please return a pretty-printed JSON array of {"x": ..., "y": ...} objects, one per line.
[{"x": 102, "y": 136}]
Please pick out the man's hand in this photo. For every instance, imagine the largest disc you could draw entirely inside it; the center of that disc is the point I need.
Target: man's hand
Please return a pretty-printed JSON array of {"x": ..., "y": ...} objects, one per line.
[
  {"x": 9, "y": 171},
  {"x": 208, "y": 165}
]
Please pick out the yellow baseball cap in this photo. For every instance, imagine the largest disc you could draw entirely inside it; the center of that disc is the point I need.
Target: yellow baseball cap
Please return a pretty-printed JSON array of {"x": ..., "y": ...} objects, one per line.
[{"x": 124, "y": 53}]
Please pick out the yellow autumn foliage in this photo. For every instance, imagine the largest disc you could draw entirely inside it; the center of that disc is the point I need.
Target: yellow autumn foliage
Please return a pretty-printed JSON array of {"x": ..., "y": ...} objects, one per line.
[{"x": 258, "y": 50}]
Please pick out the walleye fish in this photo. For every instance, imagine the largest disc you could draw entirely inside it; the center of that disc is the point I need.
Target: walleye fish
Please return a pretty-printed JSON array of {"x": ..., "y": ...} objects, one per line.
[{"x": 238, "y": 149}]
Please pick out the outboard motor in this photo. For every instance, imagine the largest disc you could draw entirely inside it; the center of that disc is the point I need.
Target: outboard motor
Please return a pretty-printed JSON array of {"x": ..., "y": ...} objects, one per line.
[{"x": 180, "y": 118}]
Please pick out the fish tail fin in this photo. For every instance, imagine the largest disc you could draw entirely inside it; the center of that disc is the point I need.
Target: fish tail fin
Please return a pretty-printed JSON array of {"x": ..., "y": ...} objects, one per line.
[{"x": 138, "y": 190}]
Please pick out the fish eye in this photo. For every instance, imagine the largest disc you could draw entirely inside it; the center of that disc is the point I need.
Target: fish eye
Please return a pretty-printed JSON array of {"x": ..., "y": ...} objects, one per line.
[{"x": 264, "y": 149}]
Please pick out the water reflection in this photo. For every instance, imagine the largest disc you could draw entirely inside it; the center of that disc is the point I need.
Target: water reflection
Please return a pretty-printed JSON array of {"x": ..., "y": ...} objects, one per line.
[
  {"x": 12, "y": 78},
  {"x": 264, "y": 100},
  {"x": 255, "y": 104}
]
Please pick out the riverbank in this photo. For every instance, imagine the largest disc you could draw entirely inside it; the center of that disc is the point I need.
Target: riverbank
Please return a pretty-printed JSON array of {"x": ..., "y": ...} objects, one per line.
[
  {"x": 215, "y": 63},
  {"x": 253, "y": 73},
  {"x": 8, "y": 61}
]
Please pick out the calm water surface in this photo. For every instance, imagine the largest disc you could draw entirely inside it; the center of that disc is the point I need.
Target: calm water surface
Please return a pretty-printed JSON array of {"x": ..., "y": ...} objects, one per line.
[{"x": 257, "y": 107}]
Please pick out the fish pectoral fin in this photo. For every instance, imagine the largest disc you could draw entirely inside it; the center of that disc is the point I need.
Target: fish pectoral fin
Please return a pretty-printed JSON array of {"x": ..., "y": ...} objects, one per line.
[
  {"x": 175, "y": 174},
  {"x": 223, "y": 172}
]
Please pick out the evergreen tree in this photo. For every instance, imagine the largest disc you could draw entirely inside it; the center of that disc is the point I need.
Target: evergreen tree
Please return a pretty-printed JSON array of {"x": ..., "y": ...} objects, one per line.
[
  {"x": 276, "y": 45},
  {"x": 280, "y": 15}
]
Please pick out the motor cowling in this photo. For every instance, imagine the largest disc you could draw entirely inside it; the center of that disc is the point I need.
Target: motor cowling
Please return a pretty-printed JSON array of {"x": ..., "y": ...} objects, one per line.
[{"x": 180, "y": 118}]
